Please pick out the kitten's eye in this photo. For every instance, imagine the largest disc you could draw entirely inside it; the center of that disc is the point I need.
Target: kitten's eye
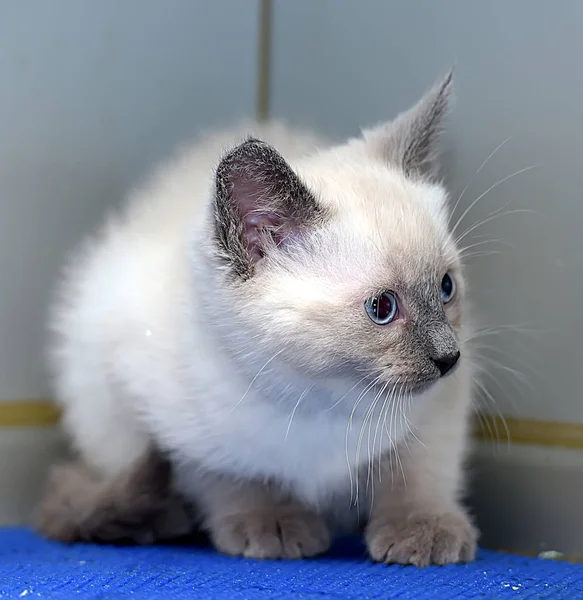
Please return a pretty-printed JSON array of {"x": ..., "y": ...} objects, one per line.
[
  {"x": 382, "y": 309},
  {"x": 447, "y": 288}
]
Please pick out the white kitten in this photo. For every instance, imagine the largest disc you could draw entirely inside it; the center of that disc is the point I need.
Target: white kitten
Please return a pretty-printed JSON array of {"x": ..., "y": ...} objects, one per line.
[{"x": 276, "y": 318}]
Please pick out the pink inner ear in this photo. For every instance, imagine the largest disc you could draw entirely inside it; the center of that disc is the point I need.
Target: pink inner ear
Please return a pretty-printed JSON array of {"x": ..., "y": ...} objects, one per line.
[
  {"x": 251, "y": 197},
  {"x": 256, "y": 226},
  {"x": 249, "y": 194}
]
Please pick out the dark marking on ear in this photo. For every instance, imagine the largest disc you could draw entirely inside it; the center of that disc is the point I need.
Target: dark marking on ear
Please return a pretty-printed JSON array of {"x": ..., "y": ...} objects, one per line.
[
  {"x": 411, "y": 141},
  {"x": 260, "y": 204}
]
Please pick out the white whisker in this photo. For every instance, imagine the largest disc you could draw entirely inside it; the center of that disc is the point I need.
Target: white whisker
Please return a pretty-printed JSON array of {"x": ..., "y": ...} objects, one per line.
[
  {"x": 371, "y": 454},
  {"x": 354, "y": 481},
  {"x": 461, "y": 251},
  {"x": 302, "y": 396},
  {"x": 480, "y": 254},
  {"x": 346, "y": 394},
  {"x": 368, "y": 415},
  {"x": 492, "y": 217},
  {"x": 488, "y": 396},
  {"x": 387, "y": 425},
  {"x": 509, "y": 355},
  {"x": 489, "y": 331},
  {"x": 255, "y": 378},
  {"x": 380, "y": 424},
  {"x": 396, "y": 445},
  {"x": 484, "y": 194},
  {"x": 472, "y": 178}
]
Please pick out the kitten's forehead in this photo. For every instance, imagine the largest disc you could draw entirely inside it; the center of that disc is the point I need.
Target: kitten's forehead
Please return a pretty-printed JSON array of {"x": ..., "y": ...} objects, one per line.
[{"x": 399, "y": 221}]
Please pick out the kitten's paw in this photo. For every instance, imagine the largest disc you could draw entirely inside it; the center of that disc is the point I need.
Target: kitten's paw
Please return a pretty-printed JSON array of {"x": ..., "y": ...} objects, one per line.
[
  {"x": 277, "y": 533},
  {"x": 422, "y": 540}
]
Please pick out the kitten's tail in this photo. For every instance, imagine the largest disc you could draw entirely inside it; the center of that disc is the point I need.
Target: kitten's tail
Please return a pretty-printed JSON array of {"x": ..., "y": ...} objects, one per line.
[{"x": 137, "y": 506}]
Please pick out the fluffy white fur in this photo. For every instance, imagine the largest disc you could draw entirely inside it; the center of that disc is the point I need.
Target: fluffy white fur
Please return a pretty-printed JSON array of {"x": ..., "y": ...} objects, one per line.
[{"x": 243, "y": 385}]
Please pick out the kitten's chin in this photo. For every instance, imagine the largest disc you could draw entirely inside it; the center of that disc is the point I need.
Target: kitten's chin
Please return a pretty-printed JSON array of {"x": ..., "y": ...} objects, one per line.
[
  {"x": 422, "y": 387},
  {"x": 419, "y": 388}
]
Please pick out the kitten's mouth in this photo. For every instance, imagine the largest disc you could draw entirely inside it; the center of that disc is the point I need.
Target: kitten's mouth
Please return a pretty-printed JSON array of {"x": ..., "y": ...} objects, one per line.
[{"x": 419, "y": 387}]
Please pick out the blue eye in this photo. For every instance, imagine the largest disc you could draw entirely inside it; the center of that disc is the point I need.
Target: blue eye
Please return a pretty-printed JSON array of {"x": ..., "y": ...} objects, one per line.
[
  {"x": 382, "y": 309},
  {"x": 447, "y": 288}
]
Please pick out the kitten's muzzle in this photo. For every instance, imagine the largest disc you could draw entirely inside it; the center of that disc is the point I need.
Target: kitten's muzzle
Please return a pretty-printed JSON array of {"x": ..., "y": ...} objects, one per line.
[
  {"x": 446, "y": 362},
  {"x": 442, "y": 347}
]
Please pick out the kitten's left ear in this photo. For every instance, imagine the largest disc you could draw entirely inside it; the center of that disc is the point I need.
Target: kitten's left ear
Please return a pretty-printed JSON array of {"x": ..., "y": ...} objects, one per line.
[
  {"x": 260, "y": 206},
  {"x": 411, "y": 141}
]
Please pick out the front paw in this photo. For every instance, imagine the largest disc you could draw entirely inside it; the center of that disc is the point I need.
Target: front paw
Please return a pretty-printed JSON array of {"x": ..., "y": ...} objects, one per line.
[
  {"x": 282, "y": 532},
  {"x": 422, "y": 540}
]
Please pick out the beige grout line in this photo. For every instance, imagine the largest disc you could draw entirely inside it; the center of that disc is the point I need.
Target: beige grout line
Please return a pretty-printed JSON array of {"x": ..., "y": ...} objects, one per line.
[{"x": 264, "y": 59}]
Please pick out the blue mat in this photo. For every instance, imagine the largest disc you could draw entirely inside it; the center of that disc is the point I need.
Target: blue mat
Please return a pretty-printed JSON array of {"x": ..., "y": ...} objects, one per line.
[{"x": 31, "y": 567}]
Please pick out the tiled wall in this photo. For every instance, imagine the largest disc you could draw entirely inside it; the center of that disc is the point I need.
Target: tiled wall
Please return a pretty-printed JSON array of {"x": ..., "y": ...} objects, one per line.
[
  {"x": 93, "y": 93},
  {"x": 340, "y": 64},
  {"x": 96, "y": 92}
]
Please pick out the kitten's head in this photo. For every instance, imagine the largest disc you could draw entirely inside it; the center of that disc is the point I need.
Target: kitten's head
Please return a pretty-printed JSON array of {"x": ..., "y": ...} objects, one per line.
[{"x": 343, "y": 260}]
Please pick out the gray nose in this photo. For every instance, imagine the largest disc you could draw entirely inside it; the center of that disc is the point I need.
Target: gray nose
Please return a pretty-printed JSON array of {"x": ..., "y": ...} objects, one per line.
[{"x": 446, "y": 362}]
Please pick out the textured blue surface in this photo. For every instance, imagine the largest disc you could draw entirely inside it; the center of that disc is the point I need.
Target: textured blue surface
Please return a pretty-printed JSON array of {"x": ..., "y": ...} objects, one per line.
[{"x": 31, "y": 568}]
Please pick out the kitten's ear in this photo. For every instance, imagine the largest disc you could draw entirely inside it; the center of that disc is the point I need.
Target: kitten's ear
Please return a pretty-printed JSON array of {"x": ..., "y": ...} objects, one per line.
[
  {"x": 411, "y": 141},
  {"x": 260, "y": 204}
]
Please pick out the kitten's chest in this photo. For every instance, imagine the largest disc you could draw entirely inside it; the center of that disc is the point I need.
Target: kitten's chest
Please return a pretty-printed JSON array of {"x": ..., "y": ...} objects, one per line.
[
  {"x": 317, "y": 456},
  {"x": 220, "y": 423}
]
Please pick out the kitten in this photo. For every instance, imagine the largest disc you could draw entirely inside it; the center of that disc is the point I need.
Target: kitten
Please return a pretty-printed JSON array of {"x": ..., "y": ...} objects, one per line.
[{"x": 283, "y": 320}]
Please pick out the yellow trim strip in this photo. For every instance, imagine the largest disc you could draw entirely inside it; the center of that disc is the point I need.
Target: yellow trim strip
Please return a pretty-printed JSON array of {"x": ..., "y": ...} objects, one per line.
[
  {"x": 43, "y": 413},
  {"x": 28, "y": 413},
  {"x": 529, "y": 431}
]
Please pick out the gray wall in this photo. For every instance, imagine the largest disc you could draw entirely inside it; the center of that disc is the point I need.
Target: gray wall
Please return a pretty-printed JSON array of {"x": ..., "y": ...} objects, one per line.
[
  {"x": 93, "y": 92},
  {"x": 339, "y": 64}
]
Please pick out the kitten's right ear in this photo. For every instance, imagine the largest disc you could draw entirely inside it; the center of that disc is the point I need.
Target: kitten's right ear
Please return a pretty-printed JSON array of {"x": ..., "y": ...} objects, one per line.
[
  {"x": 411, "y": 141},
  {"x": 260, "y": 204}
]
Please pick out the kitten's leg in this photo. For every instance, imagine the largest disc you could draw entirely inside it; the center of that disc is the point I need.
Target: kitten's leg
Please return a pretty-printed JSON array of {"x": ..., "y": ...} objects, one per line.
[
  {"x": 416, "y": 516},
  {"x": 254, "y": 520},
  {"x": 135, "y": 507}
]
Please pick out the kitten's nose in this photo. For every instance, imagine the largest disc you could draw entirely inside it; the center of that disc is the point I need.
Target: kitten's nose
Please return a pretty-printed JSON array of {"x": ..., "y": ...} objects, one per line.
[{"x": 446, "y": 362}]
